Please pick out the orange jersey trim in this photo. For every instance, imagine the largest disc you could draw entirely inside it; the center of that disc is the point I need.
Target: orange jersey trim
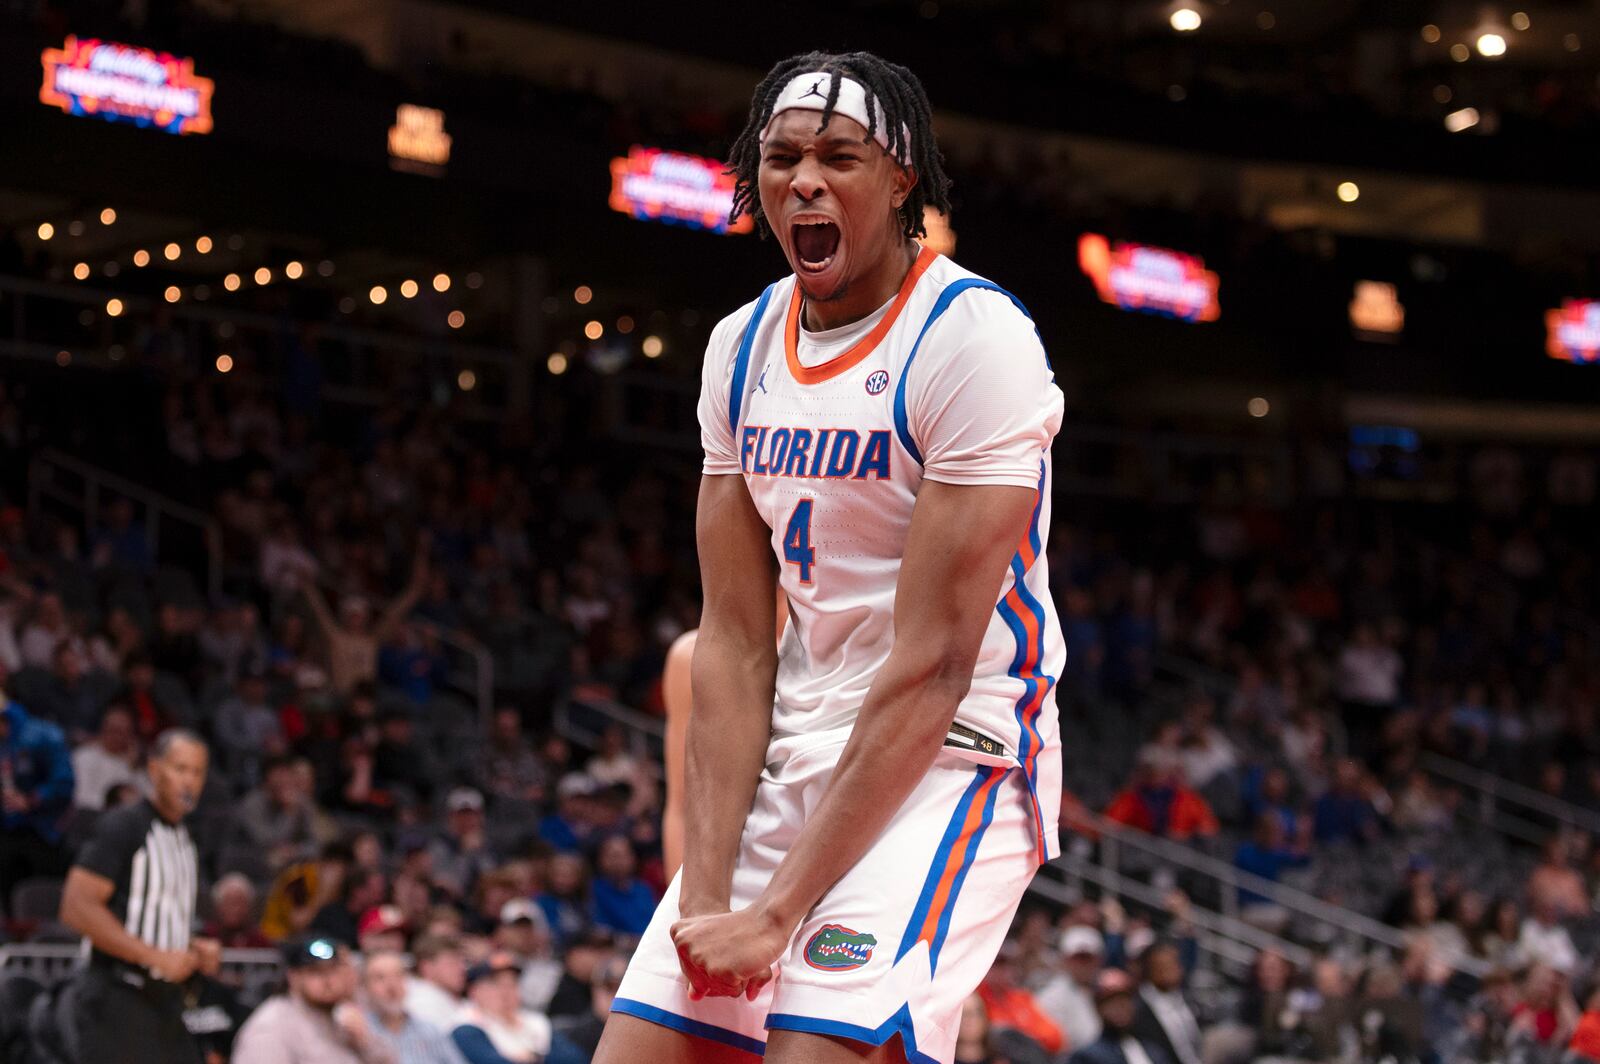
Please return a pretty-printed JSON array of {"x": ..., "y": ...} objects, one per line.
[{"x": 865, "y": 346}]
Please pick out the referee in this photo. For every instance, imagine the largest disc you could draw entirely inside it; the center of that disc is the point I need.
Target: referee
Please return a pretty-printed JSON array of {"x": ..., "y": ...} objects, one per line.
[{"x": 131, "y": 893}]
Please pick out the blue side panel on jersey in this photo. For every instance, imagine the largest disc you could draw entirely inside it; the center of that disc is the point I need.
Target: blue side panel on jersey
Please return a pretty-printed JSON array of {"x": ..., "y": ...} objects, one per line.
[
  {"x": 943, "y": 931},
  {"x": 900, "y": 1023},
  {"x": 902, "y": 426},
  {"x": 710, "y": 1032},
  {"x": 741, "y": 361}
]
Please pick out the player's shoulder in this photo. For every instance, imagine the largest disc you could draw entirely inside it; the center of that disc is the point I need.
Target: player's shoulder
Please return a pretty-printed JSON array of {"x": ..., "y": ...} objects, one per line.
[{"x": 979, "y": 303}]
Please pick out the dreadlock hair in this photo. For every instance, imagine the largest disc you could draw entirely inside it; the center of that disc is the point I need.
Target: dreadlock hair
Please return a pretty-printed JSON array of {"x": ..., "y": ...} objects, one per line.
[{"x": 895, "y": 100}]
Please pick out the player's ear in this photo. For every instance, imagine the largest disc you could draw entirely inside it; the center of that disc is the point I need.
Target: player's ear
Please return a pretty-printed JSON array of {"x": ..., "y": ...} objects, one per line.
[{"x": 904, "y": 179}]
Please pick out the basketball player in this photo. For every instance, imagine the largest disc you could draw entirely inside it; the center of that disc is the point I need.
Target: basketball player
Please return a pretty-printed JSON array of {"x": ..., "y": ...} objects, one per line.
[{"x": 866, "y": 805}]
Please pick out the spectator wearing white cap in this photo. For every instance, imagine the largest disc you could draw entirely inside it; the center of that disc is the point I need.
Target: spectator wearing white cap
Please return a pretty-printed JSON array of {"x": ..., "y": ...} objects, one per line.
[
  {"x": 525, "y": 934},
  {"x": 570, "y": 827},
  {"x": 461, "y": 853},
  {"x": 1067, "y": 997}
]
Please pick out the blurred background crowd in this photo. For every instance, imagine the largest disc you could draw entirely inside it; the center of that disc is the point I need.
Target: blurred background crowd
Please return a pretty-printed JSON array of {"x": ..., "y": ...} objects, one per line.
[{"x": 1332, "y": 678}]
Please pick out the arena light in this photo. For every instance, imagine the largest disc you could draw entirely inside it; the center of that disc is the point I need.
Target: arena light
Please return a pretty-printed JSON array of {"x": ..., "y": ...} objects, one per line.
[
  {"x": 46, "y": 230},
  {"x": 378, "y": 294},
  {"x": 417, "y": 140},
  {"x": 940, "y": 237},
  {"x": 474, "y": 280},
  {"x": 325, "y": 268},
  {"x": 556, "y": 363},
  {"x": 81, "y": 271},
  {"x": 123, "y": 83},
  {"x": 173, "y": 293},
  {"x": 408, "y": 289},
  {"x": 594, "y": 330},
  {"x": 108, "y": 217},
  {"x": 171, "y": 252},
  {"x": 293, "y": 270},
  {"x": 141, "y": 258},
  {"x": 203, "y": 245},
  {"x": 112, "y": 268},
  {"x": 1462, "y": 120},
  {"x": 1150, "y": 280},
  {"x": 224, "y": 363},
  {"x": 1430, "y": 33},
  {"x": 63, "y": 358},
  {"x": 466, "y": 380},
  {"x": 667, "y": 186},
  {"x": 1185, "y": 20},
  {"x": 1520, "y": 21},
  {"x": 1348, "y": 191},
  {"x": 456, "y": 319},
  {"x": 441, "y": 282},
  {"x": 1460, "y": 52},
  {"x": 1573, "y": 331},
  {"x": 1491, "y": 45},
  {"x": 651, "y": 347},
  {"x": 263, "y": 275},
  {"x": 1376, "y": 312},
  {"x": 625, "y": 324},
  {"x": 1258, "y": 407},
  {"x": 232, "y": 282},
  {"x": 114, "y": 308},
  {"x": 582, "y": 294}
]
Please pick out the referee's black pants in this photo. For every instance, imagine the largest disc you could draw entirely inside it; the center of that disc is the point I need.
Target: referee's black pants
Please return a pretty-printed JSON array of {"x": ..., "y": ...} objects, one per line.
[{"x": 120, "y": 1023}]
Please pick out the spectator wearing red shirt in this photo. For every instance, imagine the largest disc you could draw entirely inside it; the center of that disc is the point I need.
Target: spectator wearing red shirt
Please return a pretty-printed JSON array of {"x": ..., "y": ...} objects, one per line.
[{"x": 1159, "y": 801}]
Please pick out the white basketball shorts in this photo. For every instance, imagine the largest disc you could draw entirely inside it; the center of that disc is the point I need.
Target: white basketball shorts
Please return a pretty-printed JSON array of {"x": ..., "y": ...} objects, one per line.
[{"x": 897, "y": 945}]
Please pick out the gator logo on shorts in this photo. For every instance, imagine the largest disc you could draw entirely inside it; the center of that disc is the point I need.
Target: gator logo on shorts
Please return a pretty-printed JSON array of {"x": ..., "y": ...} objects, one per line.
[{"x": 836, "y": 948}]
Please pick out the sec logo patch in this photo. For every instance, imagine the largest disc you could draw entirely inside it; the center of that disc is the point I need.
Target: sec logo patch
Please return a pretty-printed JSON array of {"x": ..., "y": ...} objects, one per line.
[{"x": 877, "y": 382}]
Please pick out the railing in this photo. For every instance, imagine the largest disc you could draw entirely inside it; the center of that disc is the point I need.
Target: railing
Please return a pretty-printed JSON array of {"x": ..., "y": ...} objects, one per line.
[
  {"x": 256, "y": 971},
  {"x": 48, "y": 476},
  {"x": 1493, "y": 792},
  {"x": 1114, "y": 838},
  {"x": 583, "y": 720},
  {"x": 1225, "y": 937}
]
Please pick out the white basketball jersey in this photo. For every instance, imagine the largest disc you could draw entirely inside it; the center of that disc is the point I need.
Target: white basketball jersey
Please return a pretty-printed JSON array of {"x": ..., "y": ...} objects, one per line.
[{"x": 835, "y": 432}]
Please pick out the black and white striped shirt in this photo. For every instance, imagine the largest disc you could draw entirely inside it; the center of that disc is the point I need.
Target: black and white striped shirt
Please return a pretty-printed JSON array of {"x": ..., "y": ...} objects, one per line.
[{"x": 152, "y": 864}]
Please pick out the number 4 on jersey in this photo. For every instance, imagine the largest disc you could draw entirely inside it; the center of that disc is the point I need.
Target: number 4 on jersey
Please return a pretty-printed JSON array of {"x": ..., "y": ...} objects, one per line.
[{"x": 797, "y": 540}]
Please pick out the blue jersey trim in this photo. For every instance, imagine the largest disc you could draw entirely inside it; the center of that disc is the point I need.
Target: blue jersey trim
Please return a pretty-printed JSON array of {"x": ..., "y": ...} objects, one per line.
[
  {"x": 741, "y": 361},
  {"x": 902, "y": 426},
  {"x": 684, "y": 1025},
  {"x": 900, "y": 1023},
  {"x": 941, "y": 860}
]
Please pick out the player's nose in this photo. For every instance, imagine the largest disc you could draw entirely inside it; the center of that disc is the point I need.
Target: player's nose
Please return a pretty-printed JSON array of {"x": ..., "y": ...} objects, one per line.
[{"x": 807, "y": 182}]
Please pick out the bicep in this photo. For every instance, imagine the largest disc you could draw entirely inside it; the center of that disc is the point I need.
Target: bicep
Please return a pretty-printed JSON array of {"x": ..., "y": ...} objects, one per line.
[
  {"x": 960, "y": 542},
  {"x": 736, "y": 567},
  {"x": 83, "y": 886}
]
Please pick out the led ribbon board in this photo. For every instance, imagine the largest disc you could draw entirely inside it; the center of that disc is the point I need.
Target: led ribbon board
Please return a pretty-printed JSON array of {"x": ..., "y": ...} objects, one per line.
[
  {"x": 667, "y": 186},
  {"x": 1574, "y": 331},
  {"x": 123, "y": 83},
  {"x": 1150, "y": 280}
]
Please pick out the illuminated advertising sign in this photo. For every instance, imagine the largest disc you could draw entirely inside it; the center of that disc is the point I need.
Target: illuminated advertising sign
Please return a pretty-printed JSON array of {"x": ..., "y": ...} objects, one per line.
[
  {"x": 1574, "y": 331},
  {"x": 666, "y": 186},
  {"x": 1376, "y": 313},
  {"x": 1149, "y": 279},
  {"x": 122, "y": 83},
  {"x": 417, "y": 140}
]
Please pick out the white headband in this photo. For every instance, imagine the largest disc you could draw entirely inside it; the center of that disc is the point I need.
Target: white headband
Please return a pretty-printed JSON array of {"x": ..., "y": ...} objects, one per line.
[{"x": 810, "y": 92}]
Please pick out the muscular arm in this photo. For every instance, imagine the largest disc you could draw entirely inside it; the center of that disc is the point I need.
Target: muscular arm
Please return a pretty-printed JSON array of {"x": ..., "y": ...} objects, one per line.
[
  {"x": 84, "y": 908},
  {"x": 734, "y": 668},
  {"x": 955, "y": 559}
]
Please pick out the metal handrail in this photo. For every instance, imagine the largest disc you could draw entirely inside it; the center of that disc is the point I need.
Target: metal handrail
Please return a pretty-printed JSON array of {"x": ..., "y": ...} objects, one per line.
[
  {"x": 1492, "y": 788},
  {"x": 1242, "y": 940},
  {"x": 641, "y": 727},
  {"x": 157, "y": 506},
  {"x": 1290, "y": 898}
]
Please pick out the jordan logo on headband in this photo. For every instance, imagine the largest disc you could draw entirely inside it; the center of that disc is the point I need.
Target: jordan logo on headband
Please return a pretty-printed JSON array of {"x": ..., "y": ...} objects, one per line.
[{"x": 812, "y": 91}]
